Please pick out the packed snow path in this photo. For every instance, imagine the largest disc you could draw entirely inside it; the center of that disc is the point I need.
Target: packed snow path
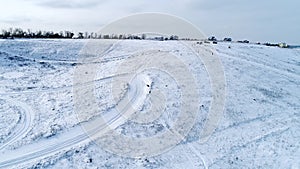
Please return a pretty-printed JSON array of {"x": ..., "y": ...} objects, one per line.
[{"x": 25, "y": 124}]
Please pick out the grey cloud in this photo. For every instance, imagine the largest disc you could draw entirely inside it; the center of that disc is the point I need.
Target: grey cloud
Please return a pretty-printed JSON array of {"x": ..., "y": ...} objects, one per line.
[
  {"x": 211, "y": 5},
  {"x": 70, "y": 4},
  {"x": 15, "y": 20}
]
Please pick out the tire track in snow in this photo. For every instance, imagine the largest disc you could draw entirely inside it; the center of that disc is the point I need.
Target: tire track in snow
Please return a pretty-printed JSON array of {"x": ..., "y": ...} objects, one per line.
[
  {"x": 26, "y": 122},
  {"x": 71, "y": 138}
]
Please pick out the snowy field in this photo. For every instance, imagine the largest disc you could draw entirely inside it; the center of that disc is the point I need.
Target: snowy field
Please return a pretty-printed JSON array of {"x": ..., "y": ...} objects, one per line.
[{"x": 40, "y": 126}]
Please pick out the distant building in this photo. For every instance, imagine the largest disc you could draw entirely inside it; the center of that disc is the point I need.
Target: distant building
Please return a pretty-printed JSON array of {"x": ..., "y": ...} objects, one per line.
[
  {"x": 173, "y": 37},
  {"x": 243, "y": 41},
  {"x": 227, "y": 39},
  {"x": 283, "y": 45},
  {"x": 212, "y": 38},
  {"x": 159, "y": 38}
]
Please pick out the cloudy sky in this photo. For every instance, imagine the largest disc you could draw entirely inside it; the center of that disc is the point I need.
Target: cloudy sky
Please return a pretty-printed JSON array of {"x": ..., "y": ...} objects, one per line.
[{"x": 256, "y": 20}]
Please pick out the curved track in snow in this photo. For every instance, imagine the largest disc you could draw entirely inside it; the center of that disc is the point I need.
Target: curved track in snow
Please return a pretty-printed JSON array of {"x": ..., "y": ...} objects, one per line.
[
  {"x": 76, "y": 135},
  {"x": 23, "y": 126}
]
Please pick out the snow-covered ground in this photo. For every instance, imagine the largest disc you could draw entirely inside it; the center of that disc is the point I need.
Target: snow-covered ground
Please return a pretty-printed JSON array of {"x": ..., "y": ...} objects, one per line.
[{"x": 40, "y": 97}]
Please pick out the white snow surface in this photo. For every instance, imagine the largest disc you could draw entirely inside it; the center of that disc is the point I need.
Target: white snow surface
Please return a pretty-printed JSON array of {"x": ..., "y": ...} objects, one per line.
[{"x": 259, "y": 128}]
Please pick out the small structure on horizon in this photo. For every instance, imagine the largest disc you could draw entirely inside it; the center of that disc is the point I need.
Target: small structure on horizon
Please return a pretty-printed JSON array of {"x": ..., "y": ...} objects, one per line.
[
  {"x": 243, "y": 41},
  {"x": 283, "y": 45},
  {"x": 227, "y": 40},
  {"x": 212, "y": 38}
]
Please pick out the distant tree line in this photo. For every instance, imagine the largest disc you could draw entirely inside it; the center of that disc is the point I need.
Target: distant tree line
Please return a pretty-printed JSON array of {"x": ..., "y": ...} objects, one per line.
[
  {"x": 20, "y": 33},
  {"x": 12, "y": 33}
]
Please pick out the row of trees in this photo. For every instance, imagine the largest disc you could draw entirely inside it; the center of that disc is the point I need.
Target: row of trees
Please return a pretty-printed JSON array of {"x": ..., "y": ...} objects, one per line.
[{"x": 20, "y": 33}]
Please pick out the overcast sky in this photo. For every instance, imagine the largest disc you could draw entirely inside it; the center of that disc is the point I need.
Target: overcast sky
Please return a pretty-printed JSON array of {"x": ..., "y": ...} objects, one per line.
[{"x": 256, "y": 20}]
